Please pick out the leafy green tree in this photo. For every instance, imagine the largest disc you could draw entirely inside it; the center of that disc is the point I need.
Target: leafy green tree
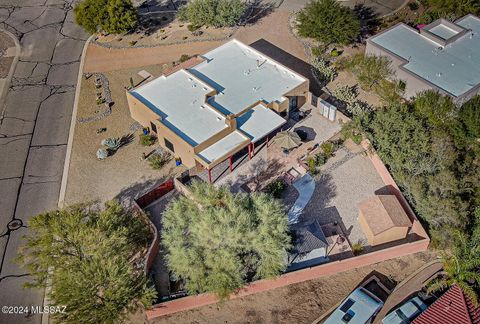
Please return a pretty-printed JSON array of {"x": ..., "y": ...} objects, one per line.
[
  {"x": 111, "y": 16},
  {"x": 219, "y": 241},
  {"x": 91, "y": 258},
  {"x": 370, "y": 70},
  {"x": 457, "y": 8},
  {"x": 329, "y": 22},
  {"x": 216, "y": 13}
]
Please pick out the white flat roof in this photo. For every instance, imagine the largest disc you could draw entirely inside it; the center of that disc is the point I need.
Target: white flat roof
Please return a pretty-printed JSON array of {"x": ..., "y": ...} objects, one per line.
[
  {"x": 258, "y": 122},
  {"x": 243, "y": 76},
  {"x": 180, "y": 100},
  {"x": 454, "y": 68},
  {"x": 223, "y": 146}
]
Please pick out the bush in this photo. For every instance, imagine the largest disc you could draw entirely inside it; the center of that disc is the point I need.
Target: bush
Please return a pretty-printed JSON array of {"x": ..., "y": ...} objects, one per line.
[
  {"x": 276, "y": 188},
  {"x": 413, "y": 6},
  {"x": 192, "y": 27},
  {"x": 312, "y": 165},
  {"x": 389, "y": 91},
  {"x": 323, "y": 70},
  {"x": 320, "y": 159},
  {"x": 159, "y": 160},
  {"x": 370, "y": 69},
  {"x": 357, "y": 248},
  {"x": 346, "y": 94},
  {"x": 132, "y": 43},
  {"x": 100, "y": 101},
  {"x": 184, "y": 58},
  {"x": 102, "y": 154},
  {"x": 147, "y": 140},
  {"x": 335, "y": 53},
  {"x": 329, "y": 22},
  {"x": 112, "y": 143},
  {"x": 327, "y": 148},
  {"x": 216, "y": 13},
  {"x": 319, "y": 50},
  {"x": 111, "y": 16}
]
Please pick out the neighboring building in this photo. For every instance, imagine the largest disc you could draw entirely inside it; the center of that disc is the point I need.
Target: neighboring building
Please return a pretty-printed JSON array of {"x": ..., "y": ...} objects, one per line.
[
  {"x": 452, "y": 307},
  {"x": 234, "y": 97},
  {"x": 383, "y": 219},
  {"x": 443, "y": 56},
  {"x": 309, "y": 246},
  {"x": 359, "y": 307}
]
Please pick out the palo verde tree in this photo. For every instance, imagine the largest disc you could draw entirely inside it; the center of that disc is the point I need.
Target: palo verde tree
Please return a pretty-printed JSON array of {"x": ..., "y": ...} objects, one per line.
[
  {"x": 90, "y": 259},
  {"x": 216, "y": 13},
  {"x": 328, "y": 22},
  {"x": 218, "y": 241},
  {"x": 111, "y": 16}
]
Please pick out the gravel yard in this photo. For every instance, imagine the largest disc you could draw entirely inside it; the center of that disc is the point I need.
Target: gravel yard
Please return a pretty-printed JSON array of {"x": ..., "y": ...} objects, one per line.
[
  {"x": 124, "y": 174},
  {"x": 344, "y": 181}
]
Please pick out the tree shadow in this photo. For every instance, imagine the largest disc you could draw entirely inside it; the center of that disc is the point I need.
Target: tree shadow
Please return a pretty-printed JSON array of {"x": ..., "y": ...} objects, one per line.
[
  {"x": 256, "y": 11},
  {"x": 368, "y": 19},
  {"x": 128, "y": 194},
  {"x": 292, "y": 62}
]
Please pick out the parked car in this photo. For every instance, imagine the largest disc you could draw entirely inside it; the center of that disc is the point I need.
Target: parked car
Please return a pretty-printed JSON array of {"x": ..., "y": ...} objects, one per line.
[
  {"x": 359, "y": 307},
  {"x": 406, "y": 313}
]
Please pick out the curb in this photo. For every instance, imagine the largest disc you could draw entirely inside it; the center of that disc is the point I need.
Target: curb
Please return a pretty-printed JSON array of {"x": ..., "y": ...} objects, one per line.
[
  {"x": 66, "y": 166},
  {"x": 8, "y": 79}
]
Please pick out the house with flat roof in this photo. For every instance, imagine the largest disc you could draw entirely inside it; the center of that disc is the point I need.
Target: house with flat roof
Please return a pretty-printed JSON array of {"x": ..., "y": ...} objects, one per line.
[
  {"x": 227, "y": 100},
  {"x": 443, "y": 56}
]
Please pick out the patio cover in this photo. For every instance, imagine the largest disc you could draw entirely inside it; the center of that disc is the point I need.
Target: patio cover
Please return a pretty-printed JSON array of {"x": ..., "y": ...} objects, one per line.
[
  {"x": 223, "y": 147},
  {"x": 258, "y": 122}
]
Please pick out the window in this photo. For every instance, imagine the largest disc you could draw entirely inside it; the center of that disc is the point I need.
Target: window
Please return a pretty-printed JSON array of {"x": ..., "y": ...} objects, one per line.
[
  {"x": 169, "y": 145},
  {"x": 153, "y": 127}
]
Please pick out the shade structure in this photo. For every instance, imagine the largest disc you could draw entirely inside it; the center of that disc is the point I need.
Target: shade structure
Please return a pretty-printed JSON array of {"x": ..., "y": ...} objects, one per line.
[{"x": 287, "y": 140}]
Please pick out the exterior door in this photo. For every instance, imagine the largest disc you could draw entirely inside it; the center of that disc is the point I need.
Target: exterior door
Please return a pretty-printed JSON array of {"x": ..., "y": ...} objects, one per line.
[{"x": 293, "y": 103}]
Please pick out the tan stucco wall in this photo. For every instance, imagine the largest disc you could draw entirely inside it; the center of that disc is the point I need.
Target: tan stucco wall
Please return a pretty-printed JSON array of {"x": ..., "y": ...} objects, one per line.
[{"x": 392, "y": 234}]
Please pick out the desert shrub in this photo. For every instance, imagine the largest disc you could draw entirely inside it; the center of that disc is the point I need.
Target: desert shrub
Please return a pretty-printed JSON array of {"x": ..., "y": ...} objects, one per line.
[
  {"x": 413, "y": 6},
  {"x": 147, "y": 140},
  {"x": 132, "y": 43},
  {"x": 184, "y": 58},
  {"x": 327, "y": 148},
  {"x": 390, "y": 91},
  {"x": 358, "y": 108},
  {"x": 159, "y": 160},
  {"x": 357, "y": 248},
  {"x": 312, "y": 165},
  {"x": 369, "y": 69},
  {"x": 323, "y": 70},
  {"x": 334, "y": 52},
  {"x": 320, "y": 159},
  {"x": 111, "y": 16},
  {"x": 100, "y": 101},
  {"x": 276, "y": 188},
  {"x": 329, "y": 22},
  {"x": 216, "y": 13},
  {"x": 112, "y": 143},
  {"x": 347, "y": 94},
  {"x": 192, "y": 27},
  {"x": 319, "y": 50},
  {"x": 102, "y": 154}
]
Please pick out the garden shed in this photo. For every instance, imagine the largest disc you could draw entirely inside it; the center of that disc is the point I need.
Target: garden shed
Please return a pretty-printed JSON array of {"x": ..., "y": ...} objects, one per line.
[{"x": 383, "y": 219}]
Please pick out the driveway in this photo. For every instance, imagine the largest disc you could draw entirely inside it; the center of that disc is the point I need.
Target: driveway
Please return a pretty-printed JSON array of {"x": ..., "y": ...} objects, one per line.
[{"x": 34, "y": 126}]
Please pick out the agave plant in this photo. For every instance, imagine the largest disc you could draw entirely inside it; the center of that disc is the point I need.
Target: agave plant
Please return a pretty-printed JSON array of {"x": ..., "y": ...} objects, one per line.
[
  {"x": 112, "y": 143},
  {"x": 102, "y": 154}
]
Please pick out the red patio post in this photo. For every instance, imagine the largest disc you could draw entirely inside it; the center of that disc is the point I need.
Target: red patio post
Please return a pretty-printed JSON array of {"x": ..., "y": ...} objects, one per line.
[
  {"x": 209, "y": 175},
  {"x": 267, "y": 141},
  {"x": 231, "y": 163},
  {"x": 253, "y": 149},
  {"x": 249, "y": 151}
]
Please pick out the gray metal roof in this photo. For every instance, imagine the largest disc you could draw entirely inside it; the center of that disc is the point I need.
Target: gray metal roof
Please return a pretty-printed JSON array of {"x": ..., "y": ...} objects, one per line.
[
  {"x": 308, "y": 237},
  {"x": 455, "y": 67}
]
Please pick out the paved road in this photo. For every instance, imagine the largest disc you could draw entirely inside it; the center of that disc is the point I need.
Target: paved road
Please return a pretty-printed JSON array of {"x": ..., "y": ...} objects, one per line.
[{"x": 34, "y": 127}]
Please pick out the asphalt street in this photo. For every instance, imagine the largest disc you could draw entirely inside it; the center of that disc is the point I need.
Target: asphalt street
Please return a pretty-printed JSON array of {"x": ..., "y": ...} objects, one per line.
[{"x": 34, "y": 126}]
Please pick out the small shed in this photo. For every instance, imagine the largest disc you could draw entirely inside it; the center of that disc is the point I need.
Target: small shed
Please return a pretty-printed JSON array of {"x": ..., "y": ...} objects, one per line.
[{"x": 383, "y": 219}]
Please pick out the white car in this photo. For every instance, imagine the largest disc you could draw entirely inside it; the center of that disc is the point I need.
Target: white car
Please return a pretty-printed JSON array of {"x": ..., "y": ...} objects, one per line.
[{"x": 405, "y": 313}]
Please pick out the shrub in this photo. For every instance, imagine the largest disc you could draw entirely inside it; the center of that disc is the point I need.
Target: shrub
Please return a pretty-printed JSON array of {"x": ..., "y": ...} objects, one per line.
[
  {"x": 312, "y": 166},
  {"x": 413, "y": 6},
  {"x": 320, "y": 159},
  {"x": 112, "y": 143},
  {"x": 357, "y": 138},
  {"x": 147, "y": 140},
  {"x": 132, "y": 43},
  {"x": 111, "y": 16},
  {"x": 159, "y": 160},
  {"x": 276, "y": 188},
  {"x": 327, "y": 148},
  {"x": 319, "y": 50},
  {"x": 357, "y": 248},
  {"x": 184, "y": 58},
  {"x": 329, "y": 22},
  {"x": 100, "y": 101},
  {"x": 102, "y": 154},
  {"x": 359, "y": 108},
  {"x": 346, "y": 94},
  {"x": 216, "y": 13},
  {"x": 192, "y": 27},
  {"x": 334, "y": 52},
  {"x": 389, "y": 91},
  {"x": 370, "y": 69},
  {"x": 323, "y": 70}
]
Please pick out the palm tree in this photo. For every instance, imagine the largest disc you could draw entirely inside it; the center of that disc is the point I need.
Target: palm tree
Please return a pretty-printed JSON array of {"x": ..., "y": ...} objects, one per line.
[{"x": 462, "y": 264}]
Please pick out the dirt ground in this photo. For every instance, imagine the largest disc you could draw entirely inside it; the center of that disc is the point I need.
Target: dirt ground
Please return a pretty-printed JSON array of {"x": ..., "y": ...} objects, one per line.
[
  {"x": 298, "y": 303},
  {"x": 125, "y": 172}
]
